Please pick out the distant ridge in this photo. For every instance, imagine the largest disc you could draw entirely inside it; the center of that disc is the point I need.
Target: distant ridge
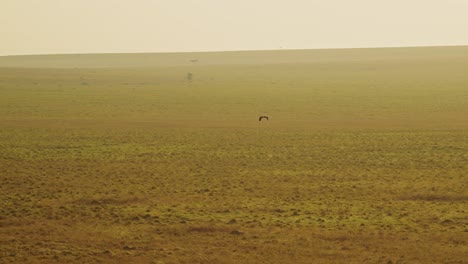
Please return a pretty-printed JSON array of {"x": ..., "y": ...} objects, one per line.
[{"x": 130, "y": 60}]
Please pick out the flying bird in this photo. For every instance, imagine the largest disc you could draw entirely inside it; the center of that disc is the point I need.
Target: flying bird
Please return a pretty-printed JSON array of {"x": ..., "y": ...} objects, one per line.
[{"x": 261, "y": 117}]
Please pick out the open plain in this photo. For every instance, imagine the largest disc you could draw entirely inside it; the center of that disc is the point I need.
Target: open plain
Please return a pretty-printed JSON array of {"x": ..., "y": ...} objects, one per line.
[{"x": 123, "y": 158}]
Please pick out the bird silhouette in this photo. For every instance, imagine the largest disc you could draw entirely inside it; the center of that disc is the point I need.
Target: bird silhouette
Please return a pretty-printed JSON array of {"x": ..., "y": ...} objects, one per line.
[{"x": 262, "y": 117}]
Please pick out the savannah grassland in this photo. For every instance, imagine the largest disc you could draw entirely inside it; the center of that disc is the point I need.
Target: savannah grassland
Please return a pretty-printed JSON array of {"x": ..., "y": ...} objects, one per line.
[{"x": 120, "y": 159}]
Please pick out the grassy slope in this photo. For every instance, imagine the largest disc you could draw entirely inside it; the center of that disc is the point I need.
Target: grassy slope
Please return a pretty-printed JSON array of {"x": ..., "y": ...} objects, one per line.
[{"x": 118, "y": 157}]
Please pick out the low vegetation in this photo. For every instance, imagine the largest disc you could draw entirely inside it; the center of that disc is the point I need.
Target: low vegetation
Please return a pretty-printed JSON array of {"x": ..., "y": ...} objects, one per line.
[{"x": 362, "y": 160}]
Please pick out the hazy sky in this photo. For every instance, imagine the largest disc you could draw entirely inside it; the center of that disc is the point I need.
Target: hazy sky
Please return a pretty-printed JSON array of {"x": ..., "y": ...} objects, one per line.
[{"x": 95, "y": 26}]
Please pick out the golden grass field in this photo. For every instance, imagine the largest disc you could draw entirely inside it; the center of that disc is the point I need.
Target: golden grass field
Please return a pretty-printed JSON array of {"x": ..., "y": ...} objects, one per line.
[{"x": 118, "y": 158}]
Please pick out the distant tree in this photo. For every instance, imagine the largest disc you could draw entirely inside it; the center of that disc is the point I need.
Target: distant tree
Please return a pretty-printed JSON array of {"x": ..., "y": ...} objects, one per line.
[{"x": 189, "y": 76}]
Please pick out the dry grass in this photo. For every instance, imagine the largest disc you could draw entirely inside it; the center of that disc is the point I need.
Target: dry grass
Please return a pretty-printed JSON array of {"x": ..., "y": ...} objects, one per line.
[{"x": 364, "y": 160}]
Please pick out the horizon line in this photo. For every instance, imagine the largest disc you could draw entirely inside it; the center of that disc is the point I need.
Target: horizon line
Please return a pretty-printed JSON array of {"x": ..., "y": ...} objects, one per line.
[{"x": 227, "y": 51}]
